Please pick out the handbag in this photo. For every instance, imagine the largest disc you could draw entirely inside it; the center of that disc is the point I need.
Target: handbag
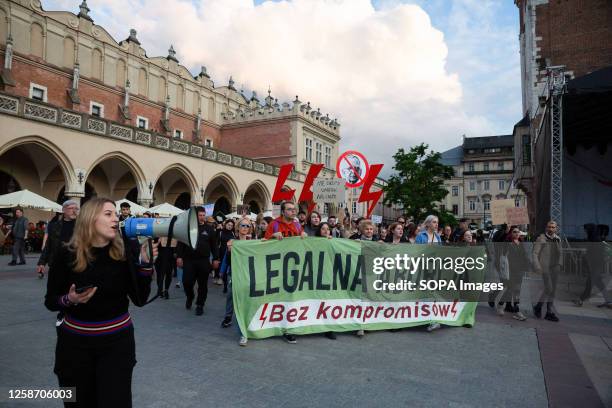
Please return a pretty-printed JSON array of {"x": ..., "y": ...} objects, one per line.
[{"x": 504, "y": 267}]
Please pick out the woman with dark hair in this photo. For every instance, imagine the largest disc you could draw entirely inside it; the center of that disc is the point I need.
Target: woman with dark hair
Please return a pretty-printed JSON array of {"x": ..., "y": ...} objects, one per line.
[
  {"x": 324, "y": 231},
  {"x": 312, "y": 223},
  {"x": 410, "y": 232},
  {"x": 90, "y": 283}
]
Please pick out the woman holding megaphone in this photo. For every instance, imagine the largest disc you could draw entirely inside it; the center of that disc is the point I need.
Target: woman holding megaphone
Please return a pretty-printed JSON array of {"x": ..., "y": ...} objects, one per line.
[{"x": 90, "y": 284}]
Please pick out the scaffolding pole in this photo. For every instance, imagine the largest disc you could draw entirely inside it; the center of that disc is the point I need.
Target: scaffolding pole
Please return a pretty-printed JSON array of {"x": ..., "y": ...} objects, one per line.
[{"x": 557, "y": 87}]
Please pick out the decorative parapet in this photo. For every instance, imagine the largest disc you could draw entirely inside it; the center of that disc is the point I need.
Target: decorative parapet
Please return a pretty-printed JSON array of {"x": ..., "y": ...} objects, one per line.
[
  {"x": 72, "y": 120},
  {"x": 41, "y": 111},
  {"x": 9, "y": 104}
]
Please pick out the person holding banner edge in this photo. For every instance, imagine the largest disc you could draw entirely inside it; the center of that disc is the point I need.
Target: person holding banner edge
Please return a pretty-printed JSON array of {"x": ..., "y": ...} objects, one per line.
[{"x": 287, "y": 225}]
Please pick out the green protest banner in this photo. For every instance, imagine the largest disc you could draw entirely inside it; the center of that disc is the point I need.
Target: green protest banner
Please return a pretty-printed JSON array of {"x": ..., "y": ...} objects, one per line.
[{"x": 312, "y": 285}]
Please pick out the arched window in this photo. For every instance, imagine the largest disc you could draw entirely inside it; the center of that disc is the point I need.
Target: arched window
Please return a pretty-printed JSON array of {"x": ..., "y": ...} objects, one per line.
[
  {"x": 36, "y": 40},
  {"x": 120, "y": 74},
  {"x": 68, "y": 52},
  {"x": 142, "y": 82},
  {"x": 96, "y": 64}
]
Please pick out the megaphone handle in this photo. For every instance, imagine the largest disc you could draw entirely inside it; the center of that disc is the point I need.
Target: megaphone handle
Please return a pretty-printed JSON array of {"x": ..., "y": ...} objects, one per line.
[{"x": 170, "y": 232}]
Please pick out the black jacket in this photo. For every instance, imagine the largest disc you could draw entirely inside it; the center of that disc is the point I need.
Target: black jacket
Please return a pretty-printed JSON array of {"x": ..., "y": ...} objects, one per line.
[
  {"x": 206, "y": 245},
  {"x": 54, "y": 241}
]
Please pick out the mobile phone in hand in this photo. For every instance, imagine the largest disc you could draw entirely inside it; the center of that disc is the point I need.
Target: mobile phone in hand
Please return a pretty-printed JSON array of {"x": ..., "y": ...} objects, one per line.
[{"x": 82, "y": 289}]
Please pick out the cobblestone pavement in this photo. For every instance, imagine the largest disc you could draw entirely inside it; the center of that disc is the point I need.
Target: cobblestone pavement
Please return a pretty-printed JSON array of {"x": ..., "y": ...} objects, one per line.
[{"x": 186, "y": 360}]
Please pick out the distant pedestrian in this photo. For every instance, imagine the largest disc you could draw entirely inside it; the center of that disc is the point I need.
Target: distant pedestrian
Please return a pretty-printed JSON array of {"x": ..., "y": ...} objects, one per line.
[{"x": 19, "y": 234}]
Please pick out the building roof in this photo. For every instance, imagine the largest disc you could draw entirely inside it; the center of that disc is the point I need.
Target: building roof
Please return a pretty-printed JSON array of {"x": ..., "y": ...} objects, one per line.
[
  {"x": 484, "y": 142},
  {"x": 452, "y": 157}
]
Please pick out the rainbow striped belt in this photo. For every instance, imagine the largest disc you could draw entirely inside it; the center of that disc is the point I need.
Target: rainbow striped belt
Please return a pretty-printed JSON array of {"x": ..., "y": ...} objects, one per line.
[{"x": 97, "y": 328}]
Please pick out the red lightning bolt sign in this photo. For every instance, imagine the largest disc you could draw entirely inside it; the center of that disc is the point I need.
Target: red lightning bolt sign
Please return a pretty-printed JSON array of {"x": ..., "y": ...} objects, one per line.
[
  {"x": 371, "y": 197},
  {"x": 306, "y": 195}
]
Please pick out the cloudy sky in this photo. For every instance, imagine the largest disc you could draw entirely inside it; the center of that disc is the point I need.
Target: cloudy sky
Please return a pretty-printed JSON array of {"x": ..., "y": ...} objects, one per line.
[{"x": 395, "y": 73}]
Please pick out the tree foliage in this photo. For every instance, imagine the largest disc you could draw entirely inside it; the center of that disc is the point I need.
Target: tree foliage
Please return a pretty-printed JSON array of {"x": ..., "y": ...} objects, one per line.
[{"x": 418, "y": 183}]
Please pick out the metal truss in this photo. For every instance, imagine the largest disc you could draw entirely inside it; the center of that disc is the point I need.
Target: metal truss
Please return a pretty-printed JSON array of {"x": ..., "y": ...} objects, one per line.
[{"x": 556, "y": 87}]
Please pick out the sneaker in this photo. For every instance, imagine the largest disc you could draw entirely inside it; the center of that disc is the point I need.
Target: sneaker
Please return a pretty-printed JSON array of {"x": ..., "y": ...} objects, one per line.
[
  {"x": 218, "y": 282},
  {"x": 178, "y": 285},
  {"x": 537, "y": 311},
  {"x": 290, "y": 338},
  {"x": 330, "y": 335},
  {"x": 606, "y": 304},
  {"x": 199, "y": 310},
  {"x": 12, "y": 263},
  {"x": 519, "y": 316},
  {"x": 360, "y": 333},
  {"x": 41, "y": 275},
  {"x": 433, "y": 326},
  {"x": 21, "y": 263},
  {"x": 243, "y": 341},
  {"x": 227, "y": 322},
  {"x": 499, "y": 311},
  {"x": 188, "y": 303},
  {"x": 577, "y": 302},
  {"x": 552, "y": 317}
]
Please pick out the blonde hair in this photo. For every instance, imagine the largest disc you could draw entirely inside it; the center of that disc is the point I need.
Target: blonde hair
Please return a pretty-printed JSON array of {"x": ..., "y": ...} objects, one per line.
[
  {"x": 243, "y": 220},
  {"x": 85, "y": 232}
]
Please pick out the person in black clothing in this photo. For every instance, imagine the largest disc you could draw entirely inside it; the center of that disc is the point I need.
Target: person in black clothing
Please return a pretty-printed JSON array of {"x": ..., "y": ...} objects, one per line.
[
  {"x": 460, "y": 230},
  {"x": 226, "y": 234},
  {"x": 59, "y": 232},
  {"x": 90, "y": 283},
  {"x": 125, "y": 211},
  {"x": 196, "y": 263}
]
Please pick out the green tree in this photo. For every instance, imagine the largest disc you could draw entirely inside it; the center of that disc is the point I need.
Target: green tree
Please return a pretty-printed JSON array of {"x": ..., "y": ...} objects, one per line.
[{"x": 419, "y": 183}]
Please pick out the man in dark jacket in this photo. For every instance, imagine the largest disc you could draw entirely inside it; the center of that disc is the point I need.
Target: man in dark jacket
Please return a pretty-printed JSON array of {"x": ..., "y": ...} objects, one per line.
[
  {"x": 58, "y": 232},
  {"x": 196, "y": 262},
  {"x": 460, "y": 231}
]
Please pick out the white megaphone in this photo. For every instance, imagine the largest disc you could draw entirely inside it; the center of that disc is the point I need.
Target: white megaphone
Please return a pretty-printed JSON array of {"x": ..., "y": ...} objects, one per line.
[{"x": 183, "y": 227}]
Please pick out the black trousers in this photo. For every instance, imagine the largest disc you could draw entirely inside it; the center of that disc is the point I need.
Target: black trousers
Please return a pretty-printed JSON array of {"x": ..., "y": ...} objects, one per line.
[
  {"x": 101, "y": 373},
  {"x": 196, "y": 270},
  {"x": 163, "y": 268}
]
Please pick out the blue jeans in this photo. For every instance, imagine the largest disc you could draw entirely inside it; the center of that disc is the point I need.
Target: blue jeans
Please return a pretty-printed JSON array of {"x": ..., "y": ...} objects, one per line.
[
  {"x": 179, "y": 274},
  {"x": 229, "y": 304}
]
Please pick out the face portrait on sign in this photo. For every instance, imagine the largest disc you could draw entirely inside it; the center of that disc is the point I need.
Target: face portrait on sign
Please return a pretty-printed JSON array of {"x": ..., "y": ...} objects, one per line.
[{"x": 352, "y": 169}]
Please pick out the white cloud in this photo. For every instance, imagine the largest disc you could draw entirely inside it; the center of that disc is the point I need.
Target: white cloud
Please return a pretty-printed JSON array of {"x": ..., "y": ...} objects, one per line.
[{"x": 381, "y": 72}]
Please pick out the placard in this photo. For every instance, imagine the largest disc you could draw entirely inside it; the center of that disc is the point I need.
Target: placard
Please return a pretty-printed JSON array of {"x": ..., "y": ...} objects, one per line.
[
  {"x": 498, "y": 211},
  {"x": 377, "y": 219},
  {"x": 328, "y": 191},
  {"x": 517, "y": 216}
]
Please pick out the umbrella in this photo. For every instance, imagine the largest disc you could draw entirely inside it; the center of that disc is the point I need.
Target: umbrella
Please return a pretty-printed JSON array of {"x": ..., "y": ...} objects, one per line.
[
  {"x": 134, "y": 208},
  {"x": 166, "y": 209},
  {"x": 28, "y": 199}
]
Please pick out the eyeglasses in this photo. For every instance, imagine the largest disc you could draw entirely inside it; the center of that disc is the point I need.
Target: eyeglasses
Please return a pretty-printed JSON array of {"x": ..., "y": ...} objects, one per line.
[
  {"x": 290, "y": 209},
  {"x": 245, "y": 226}
]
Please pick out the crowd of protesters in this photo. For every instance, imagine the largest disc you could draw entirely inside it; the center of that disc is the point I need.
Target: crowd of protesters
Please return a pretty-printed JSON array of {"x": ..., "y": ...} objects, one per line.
[{"x": 191, "y": 268}]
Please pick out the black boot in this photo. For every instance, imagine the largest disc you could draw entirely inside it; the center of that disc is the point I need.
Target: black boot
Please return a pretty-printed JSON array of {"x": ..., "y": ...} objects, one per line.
[
  {"x": 537, "y": 310},
  {"x": 551, "y": 316}
]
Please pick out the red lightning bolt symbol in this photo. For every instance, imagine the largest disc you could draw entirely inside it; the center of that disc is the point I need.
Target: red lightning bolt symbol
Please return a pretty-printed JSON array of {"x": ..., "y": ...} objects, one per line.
[
  {"x": 263, "y": 316},
  {"x": 371, "y": 197}
]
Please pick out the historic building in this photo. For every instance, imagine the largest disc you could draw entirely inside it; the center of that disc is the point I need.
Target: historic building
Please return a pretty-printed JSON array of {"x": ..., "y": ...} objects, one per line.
[
  {"x": 483, "y": 172},
  {"x": 82, "y": 114}
]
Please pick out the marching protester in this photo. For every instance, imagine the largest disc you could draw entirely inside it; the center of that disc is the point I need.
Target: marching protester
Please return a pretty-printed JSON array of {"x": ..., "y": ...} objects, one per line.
[
  {"x": 196, "y": 262},
  {"x": 324, "y": 230},
  {"x": 518, "y": 264},
  {"x": 286, "y": 225},
  {"x": 312, "y": 223},
  {"x": 125, "y": 211},
  {"x": 595, "y": 263},
  {"x": 396, "y": 234},
  {"x": 226, "y": 234},
  {"x": 468, "y": 238},
  {"x": 547, "y": 261},
  {"x": 447, "y": 234},
  {"x": 90, "y": 284},
  {"x": 245, "y": 230},
  {"x": 165, "y": 266},
  {"x": 383, "y": 233},
  {"x": 365, "y": 231},
  {"x": 429, "y": 235},
  {"x": 302, "y": 216},
  {"x": 19, "y": 233},
  {"x": 460, "y": 230},
  {"x": 59, "y": 232},
  {"x": 410, "y": 232}
]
